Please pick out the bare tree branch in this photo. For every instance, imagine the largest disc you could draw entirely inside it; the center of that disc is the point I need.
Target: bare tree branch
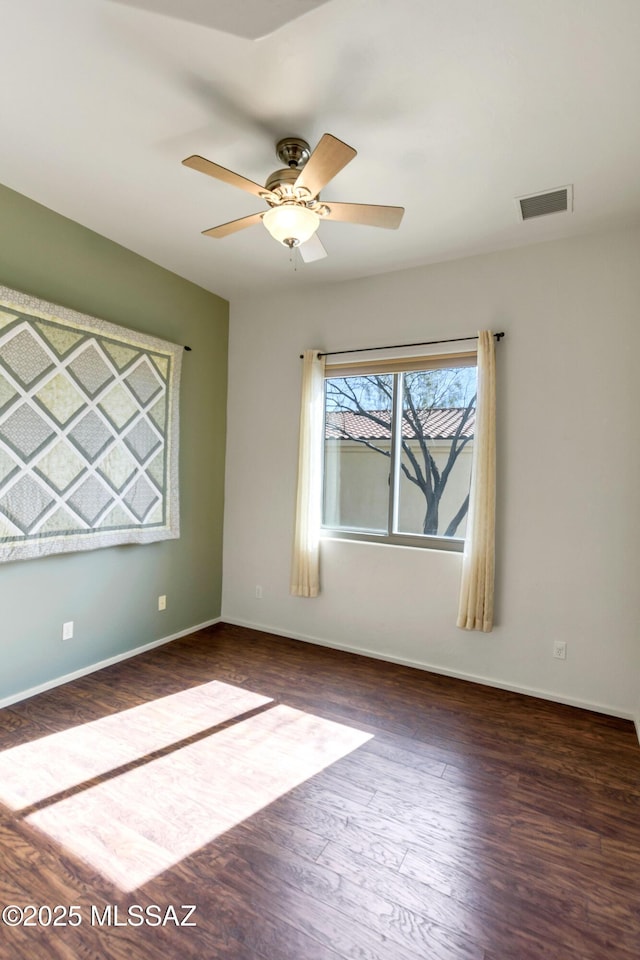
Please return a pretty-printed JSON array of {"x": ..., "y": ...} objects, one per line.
[
  {"x": 359, "y": 409},
  {"x": 421, "y": 395},
  {"x": 455, "y": 523},
  {"x": 365, "y": 443},
  {"x": 458, "y": 445},
  {"x": 430, "y": 466}
]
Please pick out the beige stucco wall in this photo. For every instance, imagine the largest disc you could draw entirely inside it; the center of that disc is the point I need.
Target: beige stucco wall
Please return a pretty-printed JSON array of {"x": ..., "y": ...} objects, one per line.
[{"x": 356, "y": 487}]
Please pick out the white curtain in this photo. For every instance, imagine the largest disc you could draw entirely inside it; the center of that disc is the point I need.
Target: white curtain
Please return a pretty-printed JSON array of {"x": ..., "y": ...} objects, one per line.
[
  {"x": 476, "y": 592},
  {"x": 305, "y": 568}
]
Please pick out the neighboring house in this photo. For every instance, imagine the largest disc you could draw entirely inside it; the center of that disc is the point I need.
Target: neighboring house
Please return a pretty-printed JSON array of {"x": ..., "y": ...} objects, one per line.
[{"x": 357, "y": 463}]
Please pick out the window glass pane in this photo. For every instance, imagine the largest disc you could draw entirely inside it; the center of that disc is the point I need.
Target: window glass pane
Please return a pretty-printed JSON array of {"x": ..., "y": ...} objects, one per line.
[
  {"x": 357, "y": 452},
  {"x": 438, "y": 416}
]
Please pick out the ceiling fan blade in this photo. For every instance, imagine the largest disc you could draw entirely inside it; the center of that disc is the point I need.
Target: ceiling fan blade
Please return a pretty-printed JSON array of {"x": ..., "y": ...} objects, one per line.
[
  {"x": 368, "y": 214},
  {"x": 328, "y": 159},
  {"x": 227, "y": 176},
  {"x": 233, "y": 226},
  {"x": 312, "y": 249}
]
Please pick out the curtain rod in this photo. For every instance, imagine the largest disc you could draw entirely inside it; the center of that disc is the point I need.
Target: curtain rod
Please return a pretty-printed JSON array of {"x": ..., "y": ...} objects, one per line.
[{"x": 397, "y": 346}]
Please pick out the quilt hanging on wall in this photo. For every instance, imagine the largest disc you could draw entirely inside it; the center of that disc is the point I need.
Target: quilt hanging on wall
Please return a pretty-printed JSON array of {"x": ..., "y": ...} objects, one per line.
[{"x": 88, "y": 432}]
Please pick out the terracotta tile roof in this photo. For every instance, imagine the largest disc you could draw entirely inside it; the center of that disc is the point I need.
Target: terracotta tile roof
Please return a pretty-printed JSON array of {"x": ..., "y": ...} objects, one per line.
[{"x": 438, "y": 424}]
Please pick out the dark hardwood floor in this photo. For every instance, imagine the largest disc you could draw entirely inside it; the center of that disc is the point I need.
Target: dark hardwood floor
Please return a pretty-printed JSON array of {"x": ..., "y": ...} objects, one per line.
[{"x": 312, "y": 805}]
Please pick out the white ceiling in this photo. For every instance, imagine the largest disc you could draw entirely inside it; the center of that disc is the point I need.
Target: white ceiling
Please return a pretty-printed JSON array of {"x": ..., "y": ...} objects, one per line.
[{"x": 455, "y": 107}]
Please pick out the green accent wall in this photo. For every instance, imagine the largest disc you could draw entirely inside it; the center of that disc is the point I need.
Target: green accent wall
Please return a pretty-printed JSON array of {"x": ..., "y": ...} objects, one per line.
[{"x": 112, "y": 594}]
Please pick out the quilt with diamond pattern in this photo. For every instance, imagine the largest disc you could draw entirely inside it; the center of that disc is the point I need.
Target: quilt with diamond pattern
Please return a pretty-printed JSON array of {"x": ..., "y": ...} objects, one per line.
[{"x": 88, "y": 432}]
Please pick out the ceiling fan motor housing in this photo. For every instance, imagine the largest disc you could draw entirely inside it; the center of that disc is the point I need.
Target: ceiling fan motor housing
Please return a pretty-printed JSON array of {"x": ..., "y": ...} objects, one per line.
[
  {"x": 294, "y": 151},
  {"x": 282, "y": 178}
]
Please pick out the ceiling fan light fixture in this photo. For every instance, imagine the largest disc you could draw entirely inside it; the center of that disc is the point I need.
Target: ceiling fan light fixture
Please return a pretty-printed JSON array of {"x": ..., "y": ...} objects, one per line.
[{"x": 291, "y": 224}]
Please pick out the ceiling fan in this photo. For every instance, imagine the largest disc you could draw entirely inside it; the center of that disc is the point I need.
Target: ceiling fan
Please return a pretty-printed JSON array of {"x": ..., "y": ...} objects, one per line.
[{"x": 293, "y": 195}]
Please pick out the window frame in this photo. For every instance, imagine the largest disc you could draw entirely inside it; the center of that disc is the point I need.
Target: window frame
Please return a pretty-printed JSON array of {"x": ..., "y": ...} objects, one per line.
[{"x": 396, "y": 367}]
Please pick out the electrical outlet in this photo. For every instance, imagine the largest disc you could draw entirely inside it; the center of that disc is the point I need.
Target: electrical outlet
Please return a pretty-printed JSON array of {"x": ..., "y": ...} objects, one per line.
[
  {"x": 162, "y": 602},
  {"x": 67, "y": 630},
  {"x": 258, "y": 592},
  {"x": 560, "y": 650}
]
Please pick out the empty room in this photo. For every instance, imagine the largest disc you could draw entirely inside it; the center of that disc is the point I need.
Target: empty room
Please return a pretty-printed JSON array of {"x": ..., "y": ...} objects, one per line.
[{"x": 319, "y": 457}]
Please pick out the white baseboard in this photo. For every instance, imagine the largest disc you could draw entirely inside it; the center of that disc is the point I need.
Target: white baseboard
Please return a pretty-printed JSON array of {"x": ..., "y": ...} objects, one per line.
[
  {"x": 430, "y": 668},
  {"x": 93, "y": 667}
]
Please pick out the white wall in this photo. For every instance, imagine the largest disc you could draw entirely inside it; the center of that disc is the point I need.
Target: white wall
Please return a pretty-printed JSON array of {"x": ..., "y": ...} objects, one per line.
[{"x": 568, "y": 470}]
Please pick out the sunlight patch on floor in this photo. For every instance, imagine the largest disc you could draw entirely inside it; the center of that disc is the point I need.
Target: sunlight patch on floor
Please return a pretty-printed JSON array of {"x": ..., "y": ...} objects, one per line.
[
  {"x": 136, "y": 825},
  {"x": 45, "y": 767}
]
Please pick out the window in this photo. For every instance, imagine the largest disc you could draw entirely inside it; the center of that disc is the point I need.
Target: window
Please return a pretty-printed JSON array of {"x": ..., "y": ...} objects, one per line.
[{"x": 398, "y": 438}]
